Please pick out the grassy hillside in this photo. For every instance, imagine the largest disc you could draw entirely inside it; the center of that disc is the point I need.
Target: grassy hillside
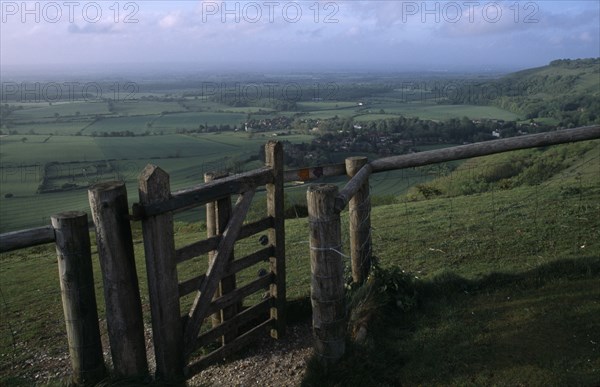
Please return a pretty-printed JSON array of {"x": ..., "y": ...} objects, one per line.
[
  {"x": 565, "y": 93},
  {"x": 506, "y": 170},
  {"x": 566, "y": 90},
  {"x": 502, "y": 286},
  {"x": 498, "y": 227},
  {"x": 560, "y": 76},
  {"x": 494, "y": 288}
]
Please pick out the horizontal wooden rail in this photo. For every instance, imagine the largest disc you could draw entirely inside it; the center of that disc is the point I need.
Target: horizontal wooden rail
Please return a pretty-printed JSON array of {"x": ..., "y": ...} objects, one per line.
[
  {"x": 248, "y": 315},
  {"x": 26, "y": 238},
  {"x": 486, "y": 148},
  {"x": 207, "y": 192},
  {"x": 226, "y": 350},
  {"x": 238, "y": 265},
  {"x": 230, "y": 299},
  {"x": 240, "y": 293},
  {"x": 204, "y": 246},
  {"x": 314, "y": 173},
  {"x": 463, "y": 152}
]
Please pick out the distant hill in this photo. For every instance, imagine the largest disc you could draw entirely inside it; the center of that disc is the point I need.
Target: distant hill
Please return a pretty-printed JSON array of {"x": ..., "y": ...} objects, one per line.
[
  {"x": 563, "y": 76},
  {"x": 566, "y": 92},
  {"x": 505, "y": 171}
]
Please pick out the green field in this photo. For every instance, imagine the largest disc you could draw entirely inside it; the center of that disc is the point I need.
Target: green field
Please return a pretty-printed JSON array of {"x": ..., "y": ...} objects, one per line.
[
  {"x": 247, "y": 109},
  {"x": 38, "y": 149},
  {"x": 185, "y": 157},
  {"x": 499, "y": 287},
  {"x": 326, "y": 105},
  {"x": 326, "y": 114},
  {"x": 55, "y": 127},
  {"x": 147, "y": 107},
  {"x": 374, "y": 117},
  {"x": 63, "y": 109},
  {"x": 426, "y": 110},
  {"x": 431, "y": 111},
  {"x": 135, "y": 124},
  {"x": 84, "y": 142},
  {"x": 193, "y": 120},
  {"x": 204, "y": 104}
]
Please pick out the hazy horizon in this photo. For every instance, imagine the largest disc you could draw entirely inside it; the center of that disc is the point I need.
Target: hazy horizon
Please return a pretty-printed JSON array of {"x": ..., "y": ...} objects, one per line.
[
  {"x": 150, "y": 37},
  {"x": 158, "y": 70}
]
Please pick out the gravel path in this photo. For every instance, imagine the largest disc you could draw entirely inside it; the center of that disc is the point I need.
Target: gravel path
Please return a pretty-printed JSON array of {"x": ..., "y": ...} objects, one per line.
[{"x": 267, "y": 363}]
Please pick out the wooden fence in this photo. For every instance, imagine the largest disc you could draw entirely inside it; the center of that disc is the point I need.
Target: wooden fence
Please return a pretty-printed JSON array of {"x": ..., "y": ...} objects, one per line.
[
  {"x": 177, "y": 337},
  {"x": 325, "y": 202},
  {"x": 70, "y": 233}
]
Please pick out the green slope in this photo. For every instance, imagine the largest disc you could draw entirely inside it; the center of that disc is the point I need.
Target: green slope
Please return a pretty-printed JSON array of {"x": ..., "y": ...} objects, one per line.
[
  {"x": 494, "y": 288},
  {"x": 561, "y": 76},
  {"x": 501, "y": 273},
  {"x": 565, "y": 92}
]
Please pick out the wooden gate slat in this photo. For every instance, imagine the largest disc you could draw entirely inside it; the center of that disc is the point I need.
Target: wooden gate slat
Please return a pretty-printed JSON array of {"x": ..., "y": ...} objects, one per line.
[
  {"x": 215, "y": 271},
  {"x": 248, "y": 315},
  {"x": 243, "y": 292},
  {"x": 204, "y": 246},
  {"x": 236, "y": 266},
  {"x": 231, "y": 348}
]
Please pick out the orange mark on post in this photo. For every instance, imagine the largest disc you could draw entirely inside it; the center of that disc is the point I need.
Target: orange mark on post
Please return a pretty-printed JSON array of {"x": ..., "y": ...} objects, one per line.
[{"x": 304, "y": 174}]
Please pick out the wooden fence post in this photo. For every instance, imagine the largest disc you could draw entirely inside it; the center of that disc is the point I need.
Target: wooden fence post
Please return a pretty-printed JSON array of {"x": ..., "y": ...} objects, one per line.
[
  {"x": 78, "y": 296},
  {"x": 110, "y": 210},
  {"x": 327, "y": 280},
  {"x": 275, "y": 209},
  {"x": 217, "y": 217},
  {"x": 211, "y": 231},
  {"x": 161, "y": 266},
  {"x": 360, "y": 224}
]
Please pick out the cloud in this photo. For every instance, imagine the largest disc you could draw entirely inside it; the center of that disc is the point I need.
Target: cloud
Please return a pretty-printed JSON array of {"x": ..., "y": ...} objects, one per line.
[
  {"x": 353, "y": 31},
  {"x": 380, "y": 14},
  {"x": 585, "y": 37},
  {"x": 484, "y": 19},
  {"x": 316, "y": 33},
  {"x": 93, "y": 28},
  {"x": 169, "y": 21},
  {"x": 373, "y": 31},
  {"x": 533, "y": 25}
]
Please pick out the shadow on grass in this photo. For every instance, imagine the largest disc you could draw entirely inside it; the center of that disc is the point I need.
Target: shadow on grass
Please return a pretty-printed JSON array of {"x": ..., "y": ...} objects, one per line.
[{"x": 536, "y": 328}]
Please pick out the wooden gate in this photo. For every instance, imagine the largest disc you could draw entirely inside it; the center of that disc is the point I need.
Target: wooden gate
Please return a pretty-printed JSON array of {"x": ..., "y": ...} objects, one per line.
[{"x": 177, "y": 337}]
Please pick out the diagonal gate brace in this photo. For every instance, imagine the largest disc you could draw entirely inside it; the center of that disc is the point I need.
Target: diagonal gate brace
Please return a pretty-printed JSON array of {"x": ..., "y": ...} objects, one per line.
[{"x": 215, "y": 271}]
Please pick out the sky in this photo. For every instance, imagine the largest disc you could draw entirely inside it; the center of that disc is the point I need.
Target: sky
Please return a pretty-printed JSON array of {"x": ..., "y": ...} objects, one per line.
[{"x": 311, "y": 35}]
